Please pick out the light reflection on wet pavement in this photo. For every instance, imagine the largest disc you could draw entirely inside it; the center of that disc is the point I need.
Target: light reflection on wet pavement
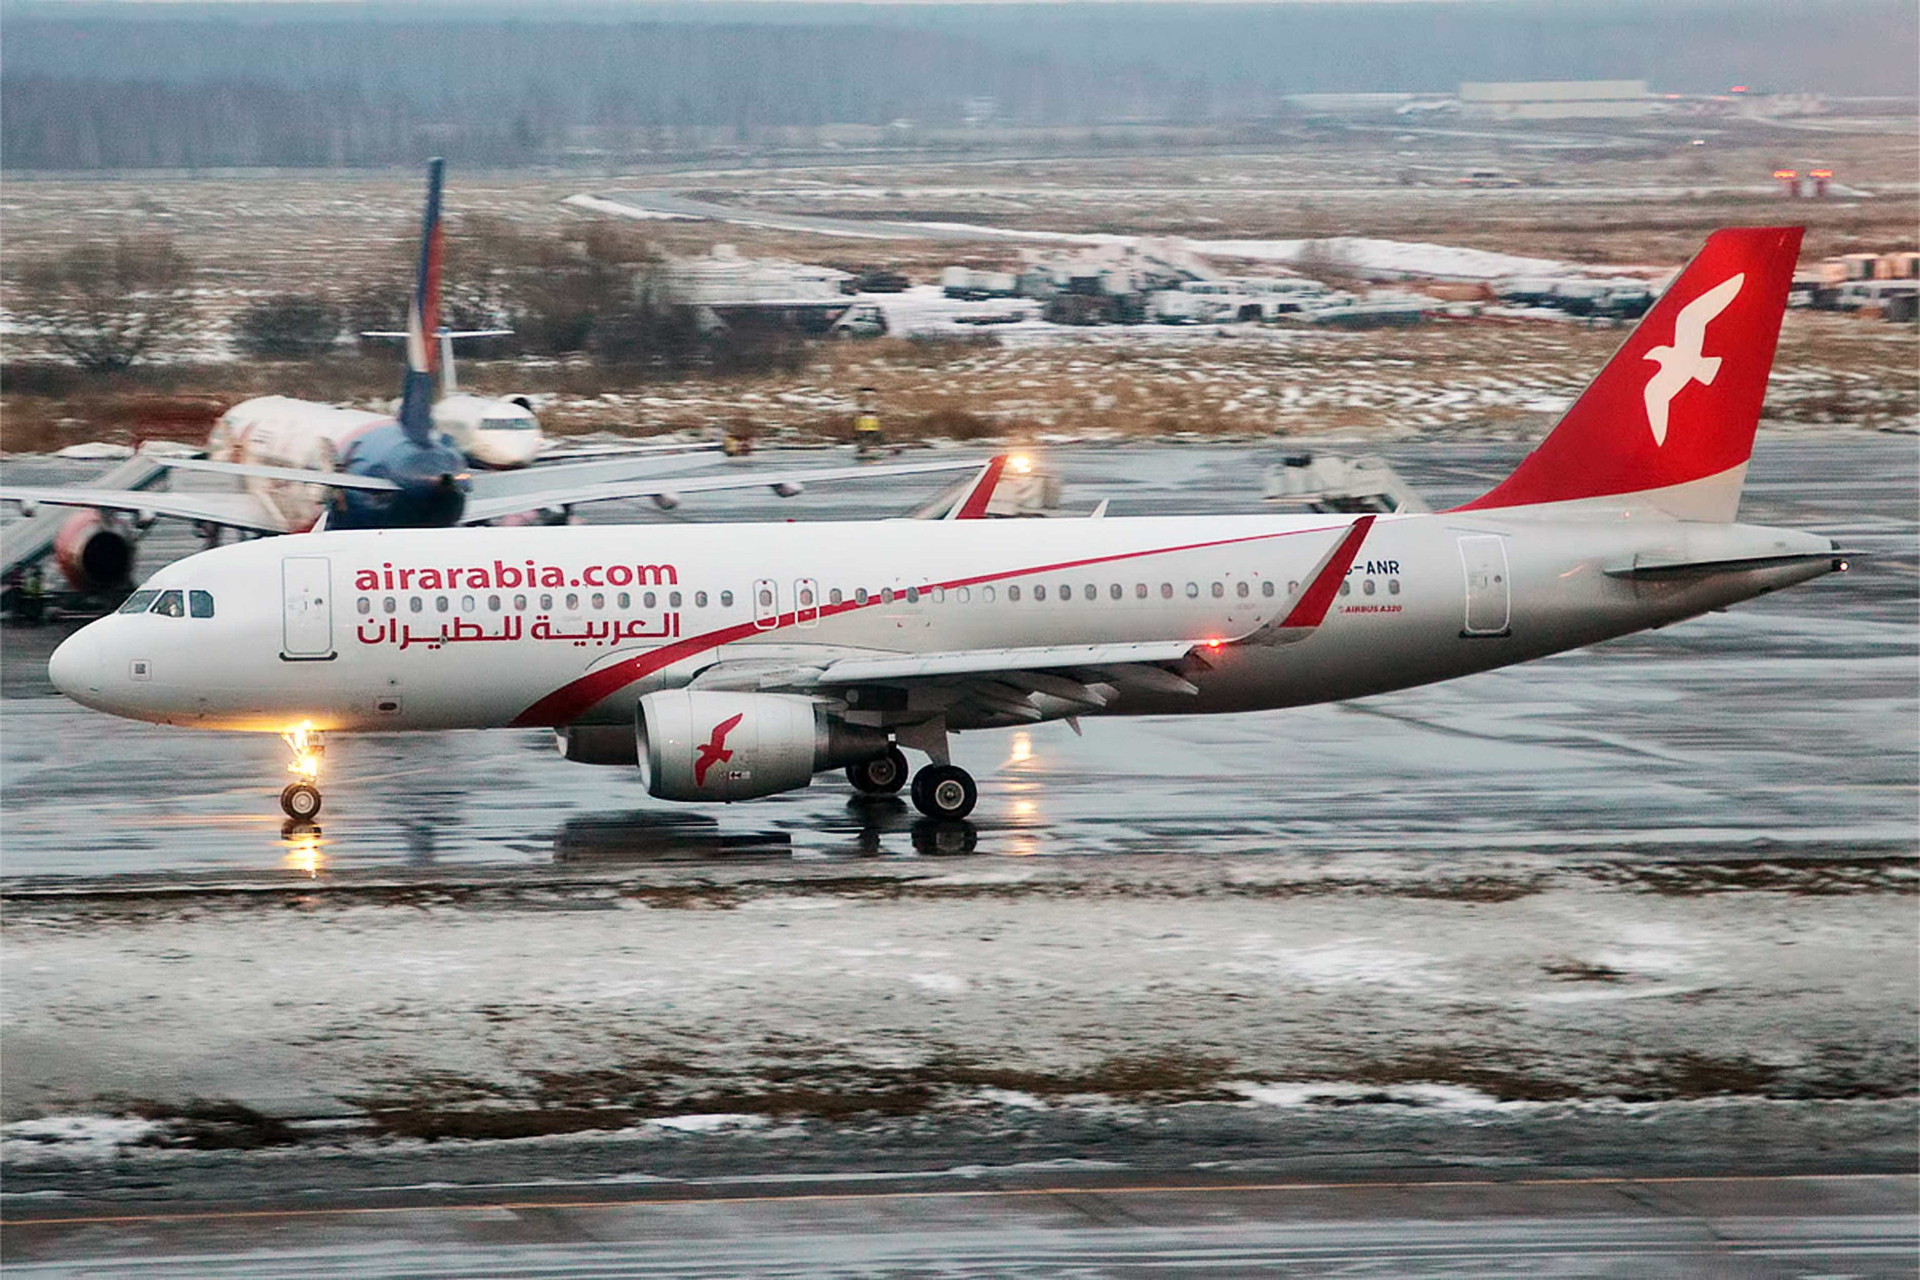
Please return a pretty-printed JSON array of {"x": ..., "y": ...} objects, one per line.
[{"x": 1786, "y": 725}]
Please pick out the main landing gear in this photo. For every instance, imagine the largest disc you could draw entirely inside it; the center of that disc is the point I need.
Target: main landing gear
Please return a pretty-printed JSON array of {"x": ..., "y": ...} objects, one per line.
[
  {"x": 943, "y": 790},
  {"x": 301, "y": 798}
]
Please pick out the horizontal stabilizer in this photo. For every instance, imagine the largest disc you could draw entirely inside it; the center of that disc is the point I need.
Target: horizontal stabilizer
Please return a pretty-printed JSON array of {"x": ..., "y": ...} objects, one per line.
[{"x": 1645, "y": 569}]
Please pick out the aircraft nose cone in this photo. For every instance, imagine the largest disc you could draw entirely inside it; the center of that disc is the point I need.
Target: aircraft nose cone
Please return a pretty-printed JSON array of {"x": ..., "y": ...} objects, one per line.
[{"x": 74, "y": 667}]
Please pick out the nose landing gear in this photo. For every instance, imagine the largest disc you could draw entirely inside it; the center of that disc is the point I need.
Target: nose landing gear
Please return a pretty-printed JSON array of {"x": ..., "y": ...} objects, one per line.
[{"x": 301, "y": 798}]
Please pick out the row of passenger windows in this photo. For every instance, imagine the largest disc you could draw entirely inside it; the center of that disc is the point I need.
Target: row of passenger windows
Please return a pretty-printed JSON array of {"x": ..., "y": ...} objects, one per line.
[
  {"x": 805, "y": 597},
  {"x": 170, "y": 604}
]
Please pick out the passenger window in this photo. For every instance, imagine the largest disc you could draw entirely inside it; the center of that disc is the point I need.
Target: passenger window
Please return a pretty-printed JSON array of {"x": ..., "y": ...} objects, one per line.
[
  {"x": 1039, "y": 591},
  {"x": 389, "y": 605},
  {"x": 699, "y": 599},
  {"x": 1219, "y": 590},
  {"x": 468, "y": 604},
  {"x": 138, "y": 602},
  {"x": 599, "y": 601},
  {"x": 886, "y": 595},
  {"x": 1193, "y": 591},
  {"x": 200, "y": 604},
  {"x": 673, "y": 599},
  {"x": 573, "y": 601},
  {"x": 964, "y": 594},
  {"x": 1115, "y": 591},
  {"x": 170, "y": 605},
  {"x": 1346, "y": 588},
  {"x": 440, "y": 603},
  {"x": 726, "y": 599},
  {"x": 1293, "y": 588},
  {"x": 766, "y": 598},
  {"x": 939, "y": 595},
  {"x": 1140, "y": 590},
  {"x": 623, "y": 601},
  {"x": 519, "y": 604},
  {"x": 1368, "y": 587},
  {"x": 493, "y": 604},
  {"x": 986, "y": 594},
  {"x": 1393, "y": 586},
  {"x": 546, "y": 601},
  {"x": 648, "y": 599},
  {"x": 834, "y": 596},
  {"x": 415, "y": 603},
  {"x": 859, "y": 595},
  {"x": 1013, "y": 593},
  {"x": 364, "y": 605},
  {"x": 1090, "y": 591},
  {"x": 1266, "y": 588},
  {"x": 1166, "y": 591},
  {"x": 1242, "y": 590}
]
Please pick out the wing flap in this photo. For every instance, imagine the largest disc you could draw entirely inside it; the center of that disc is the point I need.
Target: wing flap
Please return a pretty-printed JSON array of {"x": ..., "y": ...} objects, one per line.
[{"x": 1010, "y": 662}]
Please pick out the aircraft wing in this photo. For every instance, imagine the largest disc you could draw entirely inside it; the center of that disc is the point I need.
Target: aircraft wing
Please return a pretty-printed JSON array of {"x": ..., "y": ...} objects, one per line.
[
  {"x": 299, "y": 475},
  {"x": 229, "y": 510},
  {"x": 667, "y": 489}
]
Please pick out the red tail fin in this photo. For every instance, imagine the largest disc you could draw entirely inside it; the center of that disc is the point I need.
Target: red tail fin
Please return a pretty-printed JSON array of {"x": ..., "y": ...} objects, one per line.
[{"x": 1672, "y": 415}]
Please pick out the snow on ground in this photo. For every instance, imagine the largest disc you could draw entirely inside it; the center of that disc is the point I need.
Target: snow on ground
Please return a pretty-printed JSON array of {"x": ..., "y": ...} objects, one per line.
[{"x": 1391, "y": 258}]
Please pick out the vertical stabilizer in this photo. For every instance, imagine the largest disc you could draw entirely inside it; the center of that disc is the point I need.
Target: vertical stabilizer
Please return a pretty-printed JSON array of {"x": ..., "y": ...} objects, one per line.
[
  {"x": 1668, "y": 425},
  {"x": 423, "y": 320}
]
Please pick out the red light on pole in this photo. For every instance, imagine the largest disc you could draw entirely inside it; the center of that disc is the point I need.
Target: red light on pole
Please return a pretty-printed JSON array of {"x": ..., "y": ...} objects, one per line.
[{"x": 1791, "y": 177}]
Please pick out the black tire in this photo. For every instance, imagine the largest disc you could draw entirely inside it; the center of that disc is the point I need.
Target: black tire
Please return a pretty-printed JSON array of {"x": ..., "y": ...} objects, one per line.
[
  {"x": 301, "y": 800},
  {"x": 881, "y": 776},
  {"x": 944, "y": 791}
]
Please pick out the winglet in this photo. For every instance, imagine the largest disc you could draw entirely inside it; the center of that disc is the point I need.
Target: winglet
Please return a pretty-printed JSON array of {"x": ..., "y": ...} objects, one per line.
[
  {"x": 423, "y": 319},
  {"x": 1310, "y": 610},
  {"x": 972, "y": 505}
]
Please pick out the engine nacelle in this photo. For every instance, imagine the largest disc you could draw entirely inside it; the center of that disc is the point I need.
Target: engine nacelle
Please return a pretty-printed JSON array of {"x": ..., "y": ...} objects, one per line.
[
  {"x": 94, "y": 552},
  {"x": 698, "y": 745},
  {"x": 598, "y": 743}
]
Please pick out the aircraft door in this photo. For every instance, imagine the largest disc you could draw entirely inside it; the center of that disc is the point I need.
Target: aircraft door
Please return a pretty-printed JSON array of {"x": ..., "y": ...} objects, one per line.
[
  {"x": 806, "y": 602},
  {"x": 307, "y": 608},
  {"x": 766, "y": 604},
  {"x": 1483, "y": 557}
]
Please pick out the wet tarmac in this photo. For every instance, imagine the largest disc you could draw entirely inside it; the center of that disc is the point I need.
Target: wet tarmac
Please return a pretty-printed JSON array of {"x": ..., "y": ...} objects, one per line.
[
  {"x": 1787, "y": 723},
  {"x": 1617, "y": 946}
]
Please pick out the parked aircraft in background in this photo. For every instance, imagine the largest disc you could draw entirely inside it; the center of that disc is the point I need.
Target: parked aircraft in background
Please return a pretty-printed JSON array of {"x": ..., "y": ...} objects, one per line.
[
  {"x": 302, "y": 463},
  {"x": 734, "y": 661}
]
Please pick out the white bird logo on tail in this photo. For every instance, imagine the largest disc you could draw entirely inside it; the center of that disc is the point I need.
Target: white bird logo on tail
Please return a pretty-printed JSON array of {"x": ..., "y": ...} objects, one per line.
[{"x": 1683, "y": 362}]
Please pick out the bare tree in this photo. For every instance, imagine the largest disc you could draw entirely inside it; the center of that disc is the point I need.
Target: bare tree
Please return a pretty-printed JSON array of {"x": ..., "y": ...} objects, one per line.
[{"x": 108, "y": 306}]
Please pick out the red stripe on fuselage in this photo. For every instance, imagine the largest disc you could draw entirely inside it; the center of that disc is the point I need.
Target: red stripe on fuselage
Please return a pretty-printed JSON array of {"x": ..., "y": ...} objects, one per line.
[{"x": 571, "y": 700}]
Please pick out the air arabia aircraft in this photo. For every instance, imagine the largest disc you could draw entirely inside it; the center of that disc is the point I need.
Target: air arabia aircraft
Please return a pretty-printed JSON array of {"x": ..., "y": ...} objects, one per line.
[{"x": 735, "y": 661}]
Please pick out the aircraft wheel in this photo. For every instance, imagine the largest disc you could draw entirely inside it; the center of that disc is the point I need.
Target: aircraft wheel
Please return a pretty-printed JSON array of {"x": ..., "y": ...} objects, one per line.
[
  {"x": 301, "y": 800},
  {"x": 881, "y": 776},
  {"x": 944, "y": 791}
]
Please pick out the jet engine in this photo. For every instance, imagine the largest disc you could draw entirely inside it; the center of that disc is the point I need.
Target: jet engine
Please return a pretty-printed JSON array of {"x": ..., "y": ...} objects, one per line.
[
  {"x": 598, "y": 743},
  {"x": 94, "y": 552},
  {"x": 697, "y": 745}
]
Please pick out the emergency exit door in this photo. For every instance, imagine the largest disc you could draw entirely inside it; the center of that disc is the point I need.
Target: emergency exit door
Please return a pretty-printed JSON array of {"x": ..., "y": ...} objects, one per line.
[
  {"x": 1483, "y": 557},
  {"x": 307, "y": 610}
]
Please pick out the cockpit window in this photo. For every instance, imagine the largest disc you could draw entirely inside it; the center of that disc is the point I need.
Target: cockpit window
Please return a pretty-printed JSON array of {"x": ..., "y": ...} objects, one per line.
[
  {"x": 506, "y": 424},
  {"x": 138, "y": 602},
  {"x": 170, "y": 604},
  {"x": 200, "y": 603}
]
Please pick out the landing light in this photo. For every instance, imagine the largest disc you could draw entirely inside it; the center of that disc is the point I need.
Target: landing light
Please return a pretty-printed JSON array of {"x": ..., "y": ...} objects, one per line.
[
  {"x": 306, "y": 752},
  {"x": 1022, "y": 749},
  {"x": 1021, "y": 463}
]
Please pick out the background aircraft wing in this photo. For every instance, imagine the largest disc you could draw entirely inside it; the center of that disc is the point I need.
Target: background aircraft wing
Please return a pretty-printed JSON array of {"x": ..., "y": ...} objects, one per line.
[
  {"x": 299, "y": 475},
  {"x": 668, "y": 488},
  {"x": 229, "y": 510}
]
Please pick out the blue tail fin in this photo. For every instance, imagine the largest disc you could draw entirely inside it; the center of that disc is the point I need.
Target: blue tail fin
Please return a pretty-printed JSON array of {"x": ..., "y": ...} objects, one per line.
[{"x": 423, "y": 320}]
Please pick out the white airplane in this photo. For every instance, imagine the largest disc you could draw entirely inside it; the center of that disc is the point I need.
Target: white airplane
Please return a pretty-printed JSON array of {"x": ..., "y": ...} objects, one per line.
[
  {"x": 734, "y": 661},
  {"x": 302, "y": 463}
]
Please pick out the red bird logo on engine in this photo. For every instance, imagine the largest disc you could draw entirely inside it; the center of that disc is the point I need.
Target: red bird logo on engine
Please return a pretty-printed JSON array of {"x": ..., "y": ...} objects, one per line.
[{"x": 714, "y": 750}]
